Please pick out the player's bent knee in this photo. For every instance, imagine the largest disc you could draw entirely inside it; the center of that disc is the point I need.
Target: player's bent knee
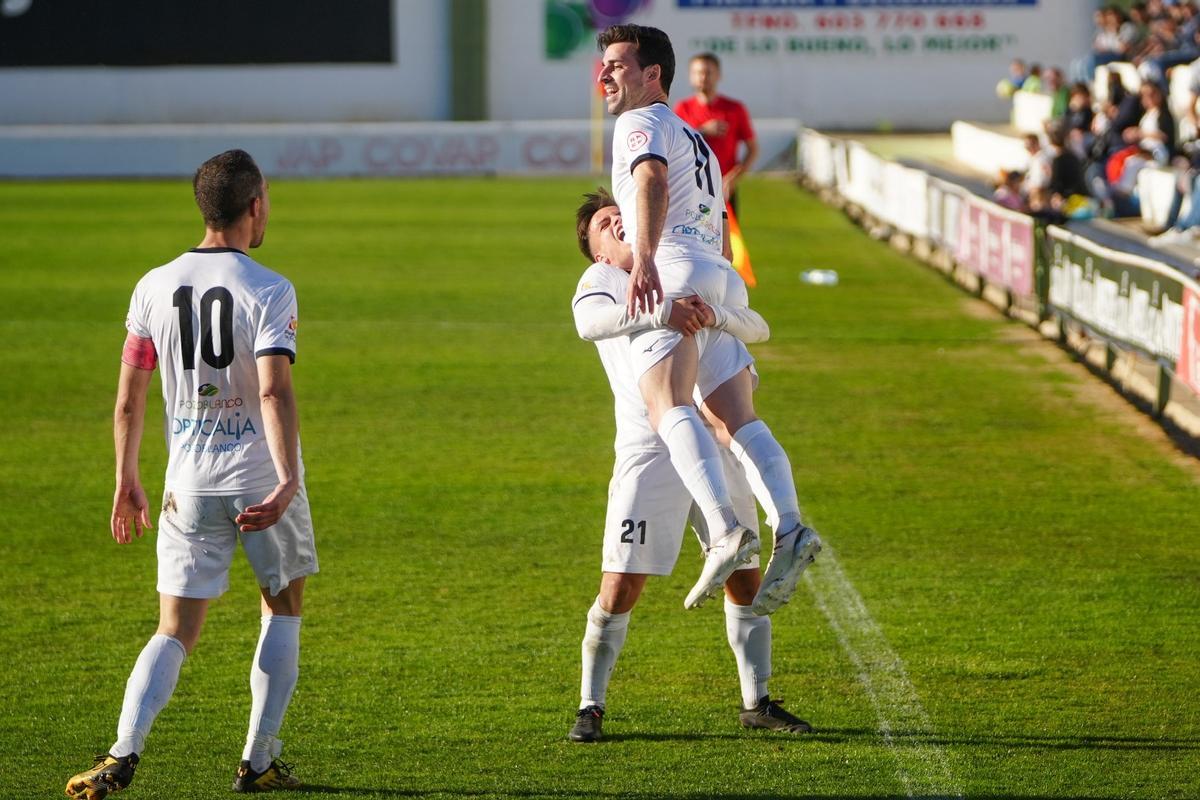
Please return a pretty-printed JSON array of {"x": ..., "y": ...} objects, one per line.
[
  {"x": 619, "y": 592},
  {"x": 742, "y": 586},
  {"x": 288, "y": 602}
]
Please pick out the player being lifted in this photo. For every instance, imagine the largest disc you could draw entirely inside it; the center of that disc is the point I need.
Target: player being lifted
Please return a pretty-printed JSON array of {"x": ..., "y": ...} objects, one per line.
[
  {"x": 647, "y": 503},
  {"x": 669, "y": 192},
  {"x": 223, "y": 329}
]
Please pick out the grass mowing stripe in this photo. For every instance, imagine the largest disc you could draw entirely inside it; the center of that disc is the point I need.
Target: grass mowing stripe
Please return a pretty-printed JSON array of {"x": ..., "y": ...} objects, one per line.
[{"x": 922, "y": 765}]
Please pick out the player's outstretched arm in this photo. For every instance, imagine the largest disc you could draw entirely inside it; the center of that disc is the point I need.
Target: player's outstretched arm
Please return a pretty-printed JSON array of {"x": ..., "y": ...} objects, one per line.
[
  {"x": 742, "y": 322},
  {"x": 282, "y": 427},
  {"x": 645, "y": 288},
  {"x": 598, "y": 318},
  {"x": 131, "y": 509}
]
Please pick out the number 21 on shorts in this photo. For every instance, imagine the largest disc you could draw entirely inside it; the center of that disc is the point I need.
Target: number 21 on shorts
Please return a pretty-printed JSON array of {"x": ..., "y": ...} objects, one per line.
[{"x": 627, "y": 528}]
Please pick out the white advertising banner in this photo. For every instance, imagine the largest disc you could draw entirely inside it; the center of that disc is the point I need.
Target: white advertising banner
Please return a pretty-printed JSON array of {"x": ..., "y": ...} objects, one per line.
[
  {"x": 840, "y": 64},
  {"x": 326, "y": 150}
]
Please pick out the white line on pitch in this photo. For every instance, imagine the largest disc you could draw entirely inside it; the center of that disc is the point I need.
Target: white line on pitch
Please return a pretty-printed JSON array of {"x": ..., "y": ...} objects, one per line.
[{"x": 922, "y": 766}]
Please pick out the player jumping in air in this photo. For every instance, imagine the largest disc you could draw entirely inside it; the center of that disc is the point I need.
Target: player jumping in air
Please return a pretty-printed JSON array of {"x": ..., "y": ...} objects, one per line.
[{"x": 668, "y": 188}]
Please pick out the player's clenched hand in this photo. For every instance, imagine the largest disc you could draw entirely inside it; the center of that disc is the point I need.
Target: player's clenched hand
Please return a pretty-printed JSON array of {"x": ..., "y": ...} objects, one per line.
[
  {"x": 687, "y": 315},
  {"x": 645, "y": 289},
  {"x": 714, "y": 127},
  {"x": 130, "y": 514},
  {"x": 265, "y": 514}
]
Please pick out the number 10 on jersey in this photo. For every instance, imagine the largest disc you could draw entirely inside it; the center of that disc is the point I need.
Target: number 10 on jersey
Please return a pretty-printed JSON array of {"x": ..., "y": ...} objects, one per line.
[{"x": 182, "y": 300}]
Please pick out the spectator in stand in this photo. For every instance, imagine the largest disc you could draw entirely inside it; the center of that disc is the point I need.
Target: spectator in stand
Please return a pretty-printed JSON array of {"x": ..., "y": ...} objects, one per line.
[
  {"x": 1155, "y": 131},
  {"x": 723, "y": 122},
  {"x": 1054, "y": 85},
  {"x": 1008, "y": 191},
  {"x": 1161, "y": 48},
  {"x": 1116, "y": 37},
  {"x": 1130, "y": 142},
  {"x": 1120, "y": 111},
  {"x": 1065, "y": 179},
  {"x": 1066, "y": 169},
  {"x": 1033, "y": 83},
  {"x": 1078, "y": 120},
  {"x": 1017, "y": 73},
  {"x": 1184, "y": 27},
  {"x": 1037, "y": 175}
]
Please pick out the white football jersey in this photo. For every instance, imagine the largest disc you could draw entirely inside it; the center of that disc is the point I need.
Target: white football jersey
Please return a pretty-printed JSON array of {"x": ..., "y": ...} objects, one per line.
[
  {"x": 633, "y": 420},
  {"x": 211, "y": 313},
  {"x": 696, "y": 205}
]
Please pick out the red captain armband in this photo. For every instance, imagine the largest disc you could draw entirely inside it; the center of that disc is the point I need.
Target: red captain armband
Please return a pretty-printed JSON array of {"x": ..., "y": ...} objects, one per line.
[{"x": 139, "y": 352}]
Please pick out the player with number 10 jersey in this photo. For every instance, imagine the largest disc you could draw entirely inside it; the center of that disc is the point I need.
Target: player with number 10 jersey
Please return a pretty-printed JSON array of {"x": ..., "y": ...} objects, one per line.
[{"x": 212, "y": 313}]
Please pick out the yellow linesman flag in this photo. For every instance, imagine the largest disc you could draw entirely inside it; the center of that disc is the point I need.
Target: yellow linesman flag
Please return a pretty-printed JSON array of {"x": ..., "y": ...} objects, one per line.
[{"x": 741, "y": 256}]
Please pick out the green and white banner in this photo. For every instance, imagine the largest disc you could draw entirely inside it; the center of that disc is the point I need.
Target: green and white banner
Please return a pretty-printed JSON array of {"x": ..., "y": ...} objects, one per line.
[{"x": 1126, "y": 298}]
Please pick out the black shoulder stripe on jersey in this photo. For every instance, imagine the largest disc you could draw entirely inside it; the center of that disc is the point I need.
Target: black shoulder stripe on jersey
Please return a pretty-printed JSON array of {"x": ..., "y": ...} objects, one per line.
[
  {"x": 276, "y": 351},
  {"x": 593, "y": 294},
  {"x": 643, "y": 157}
]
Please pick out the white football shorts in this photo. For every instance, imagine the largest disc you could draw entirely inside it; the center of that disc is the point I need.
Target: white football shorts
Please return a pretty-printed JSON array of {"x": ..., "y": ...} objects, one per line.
[
  {"x": 722, "y": 355},
  {"x": 197, "y": 537},
  {"x": 648, "y": 508},
  {"x": 680, "y": 278}
]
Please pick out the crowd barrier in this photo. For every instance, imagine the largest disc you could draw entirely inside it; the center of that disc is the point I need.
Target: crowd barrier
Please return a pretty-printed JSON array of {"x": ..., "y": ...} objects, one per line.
[
  {"x": 1084, "y": 276},
  {"x": 316, "y": 150}
]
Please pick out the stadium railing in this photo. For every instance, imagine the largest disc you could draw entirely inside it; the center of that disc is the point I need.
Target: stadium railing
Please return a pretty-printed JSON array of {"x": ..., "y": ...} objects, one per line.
[{"x": 1081, "y": 283}]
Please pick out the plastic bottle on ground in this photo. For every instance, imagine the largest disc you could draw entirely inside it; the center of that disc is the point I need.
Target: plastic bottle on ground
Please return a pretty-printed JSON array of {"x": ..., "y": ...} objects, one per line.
[{"x": 820, "y": 277}]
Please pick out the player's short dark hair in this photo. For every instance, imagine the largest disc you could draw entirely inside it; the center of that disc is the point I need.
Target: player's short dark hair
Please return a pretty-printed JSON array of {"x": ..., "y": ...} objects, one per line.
[
  {"x": 706, "y": 56},
  {"x": 592, "y": 203},
  {"x": 653, "y": 47},
  {"x": 225, "y": 186}
]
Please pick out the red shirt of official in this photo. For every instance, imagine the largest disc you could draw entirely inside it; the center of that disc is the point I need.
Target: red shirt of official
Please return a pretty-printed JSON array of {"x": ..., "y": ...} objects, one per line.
[{"x": 725, "y": 148}]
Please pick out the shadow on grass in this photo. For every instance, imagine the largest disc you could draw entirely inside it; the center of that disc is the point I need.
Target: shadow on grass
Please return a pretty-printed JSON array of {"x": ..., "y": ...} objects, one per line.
[
  {"x": 558, "y": 794},
  {"x": 864, "y": 735},
  {"x": 1098, "y": 742}
]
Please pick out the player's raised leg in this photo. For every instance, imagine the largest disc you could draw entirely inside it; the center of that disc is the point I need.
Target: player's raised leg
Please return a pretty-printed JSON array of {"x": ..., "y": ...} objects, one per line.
[
  {"x": 273, "y": 676},
  {"x": 603, "y": 639},
  {"x": 769, "y": 471},
  {"x": 667, "y": 389},
  {"x": 149, "y": 688}
]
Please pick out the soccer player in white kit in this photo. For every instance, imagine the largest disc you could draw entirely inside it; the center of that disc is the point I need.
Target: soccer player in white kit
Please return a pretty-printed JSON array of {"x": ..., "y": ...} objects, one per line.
[
  {"x": 648, "y": 504},
  {"x": 222, "y": 327},
  {"x": 668, "y": 188}
]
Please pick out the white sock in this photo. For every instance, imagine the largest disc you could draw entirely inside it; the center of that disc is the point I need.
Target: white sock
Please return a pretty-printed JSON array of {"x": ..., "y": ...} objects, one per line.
[
  {"x": 602, "y": 643},
  {"x": 769, "y": 473},
  {"x": 147, "y": 691},
  {"x": 272, "y": 678},
  {"x": 750, "y": 639},
  {"x": 695, "y": 456}
]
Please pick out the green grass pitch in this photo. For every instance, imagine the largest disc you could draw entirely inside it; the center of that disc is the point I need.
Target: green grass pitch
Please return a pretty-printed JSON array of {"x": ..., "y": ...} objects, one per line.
[{"x": 1029, "y": 557}]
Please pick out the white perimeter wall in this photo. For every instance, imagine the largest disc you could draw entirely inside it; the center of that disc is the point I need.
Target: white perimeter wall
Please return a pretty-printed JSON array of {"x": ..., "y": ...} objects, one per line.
[
  {"x": 413, "y": 88},
  {"x": 922, "y": 87}
]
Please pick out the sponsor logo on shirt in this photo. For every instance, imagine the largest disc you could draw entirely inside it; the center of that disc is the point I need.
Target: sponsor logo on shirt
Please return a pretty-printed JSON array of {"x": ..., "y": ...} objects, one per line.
[
  {"x": 202, "y": 405},
  {"x": 701, "y": 225},
  {"x": 202, "y": 426},
  {"x": 637, "y": 140},
  {"x": 208, "y": 390},
  {"x": 293, "y": 324}
]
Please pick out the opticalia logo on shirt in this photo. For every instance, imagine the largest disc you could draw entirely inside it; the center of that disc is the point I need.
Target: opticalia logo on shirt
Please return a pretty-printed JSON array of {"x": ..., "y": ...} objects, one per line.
[{"x": 233, "y": 426}]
